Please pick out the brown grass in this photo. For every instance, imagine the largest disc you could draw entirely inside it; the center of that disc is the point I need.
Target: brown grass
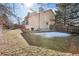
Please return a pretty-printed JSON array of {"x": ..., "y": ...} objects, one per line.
[{"x": 14, "y": 44}]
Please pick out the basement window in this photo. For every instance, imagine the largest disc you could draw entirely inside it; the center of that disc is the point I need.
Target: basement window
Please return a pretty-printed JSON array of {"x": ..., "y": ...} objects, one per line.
[{"x": 32, "y": 29}]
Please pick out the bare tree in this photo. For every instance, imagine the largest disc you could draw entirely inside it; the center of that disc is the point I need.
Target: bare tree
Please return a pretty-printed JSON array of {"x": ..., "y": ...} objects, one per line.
[{"x": 9, "y": 10}]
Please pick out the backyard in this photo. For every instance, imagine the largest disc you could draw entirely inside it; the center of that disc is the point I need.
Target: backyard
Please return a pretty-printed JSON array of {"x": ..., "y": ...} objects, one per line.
[
  {"x": 42, "y": 29},
  {"x": 14, "y": 44}
]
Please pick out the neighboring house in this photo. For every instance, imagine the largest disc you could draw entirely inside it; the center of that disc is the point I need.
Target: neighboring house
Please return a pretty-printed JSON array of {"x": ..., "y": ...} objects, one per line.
[
  {"x": 44, "y": 20},
  {"x": 4, "y": 22},
  {"x": 71, "y": 14}
]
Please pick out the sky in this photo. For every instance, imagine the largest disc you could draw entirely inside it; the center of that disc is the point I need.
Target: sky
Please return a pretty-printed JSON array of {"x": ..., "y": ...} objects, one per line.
[
  {"x": 21, "y": 10},
  {"x": 46, "y": 6}
]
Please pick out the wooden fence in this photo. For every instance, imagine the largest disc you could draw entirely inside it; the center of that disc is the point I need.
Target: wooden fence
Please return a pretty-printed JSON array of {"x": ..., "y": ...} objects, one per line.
[{"x": 63, "y": 28}]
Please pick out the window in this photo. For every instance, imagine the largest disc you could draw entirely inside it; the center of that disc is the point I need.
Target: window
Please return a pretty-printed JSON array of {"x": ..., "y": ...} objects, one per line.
[
  {"x": 46, "y": 23},
  {"x": 32, "y": 28},
  {"x": 26, "y": 22}
]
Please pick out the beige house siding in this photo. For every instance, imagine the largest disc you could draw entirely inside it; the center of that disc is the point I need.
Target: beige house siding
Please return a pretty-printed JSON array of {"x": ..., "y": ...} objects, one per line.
[
  {"x": 33, "y": 22},
  {"x": 41, "y": 20}
]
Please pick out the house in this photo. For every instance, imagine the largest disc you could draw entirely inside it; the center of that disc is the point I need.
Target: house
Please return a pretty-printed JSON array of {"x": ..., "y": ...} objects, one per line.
[{"x": 44, "y": 20}]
